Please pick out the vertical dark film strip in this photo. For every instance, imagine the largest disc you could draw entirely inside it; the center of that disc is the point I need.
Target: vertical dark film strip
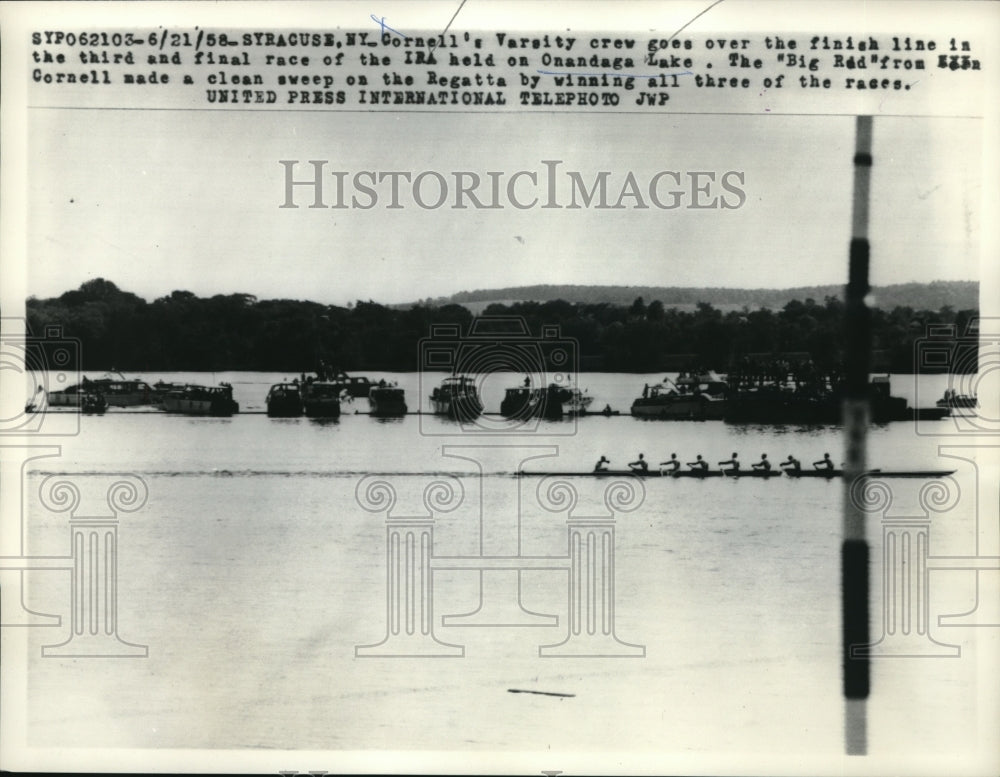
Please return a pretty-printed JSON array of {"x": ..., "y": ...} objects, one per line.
[{"x": 854, "y": 549}]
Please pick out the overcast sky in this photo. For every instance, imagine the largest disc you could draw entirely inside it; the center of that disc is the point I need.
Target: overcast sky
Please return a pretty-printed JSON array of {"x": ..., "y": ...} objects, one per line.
[{"x": 165, "y": 200}]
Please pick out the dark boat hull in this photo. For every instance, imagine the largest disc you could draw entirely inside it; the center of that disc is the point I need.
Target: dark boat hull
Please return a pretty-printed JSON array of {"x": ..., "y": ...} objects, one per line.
[
  {"x": 458, "y": 409},
  {"x": 322, "y": 408},
  {"x": 386, "y": 403},
  {"x": 284, "y": 409},
  {"x": 680, "y": 407}
]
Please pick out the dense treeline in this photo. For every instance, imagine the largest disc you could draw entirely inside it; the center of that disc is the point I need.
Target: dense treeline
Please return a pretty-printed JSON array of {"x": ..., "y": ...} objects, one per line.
[
  {"x": 957, "y": 294},
  {"x": 181, "y": 331}
]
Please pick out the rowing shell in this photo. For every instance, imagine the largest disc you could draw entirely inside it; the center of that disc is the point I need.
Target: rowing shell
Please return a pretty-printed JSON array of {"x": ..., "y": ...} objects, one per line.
[{"x": 765, "y": 474}]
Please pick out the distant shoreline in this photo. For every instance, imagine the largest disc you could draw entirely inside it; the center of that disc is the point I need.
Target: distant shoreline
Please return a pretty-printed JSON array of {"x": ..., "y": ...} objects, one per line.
[{"x": 110, "y": 327}]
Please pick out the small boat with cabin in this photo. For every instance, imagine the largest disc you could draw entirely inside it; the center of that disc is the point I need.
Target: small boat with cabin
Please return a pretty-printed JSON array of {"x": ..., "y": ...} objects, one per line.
[
  {"x": 689, "y": 397},
  {"x": 577, "y": 403},
  {"x": 321, "y": 398},
  {"x": 284, "y": 401},
  {"x": 523, "y": 402},
  {"x": 952, "y": 399},
  {"x": 116, "y": 389},
  {"x": 386, "y": 401},
  {"x": 355, "y": 386},
  {"x": 458, "y": 398},
  {"x": 202, "y": 400}
]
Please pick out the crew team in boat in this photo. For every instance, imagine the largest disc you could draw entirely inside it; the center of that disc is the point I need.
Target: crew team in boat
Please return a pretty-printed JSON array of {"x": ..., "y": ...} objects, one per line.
[{"x": 672, "y": 466}]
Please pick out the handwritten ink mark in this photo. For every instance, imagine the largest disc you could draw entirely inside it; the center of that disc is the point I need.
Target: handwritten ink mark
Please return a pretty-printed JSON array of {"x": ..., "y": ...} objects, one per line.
[
  {"x": 620, "y": 75},
  {"x": 679, "y": 30},
  {"x": 380, "y": 21}
]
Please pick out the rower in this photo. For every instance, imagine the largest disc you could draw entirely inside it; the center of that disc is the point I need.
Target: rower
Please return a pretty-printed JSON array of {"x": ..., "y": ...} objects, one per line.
[
  {"x": 699, "y": 464},
  {"x": 671, "y": 464},
  {"x": 792, "y": 464},
  {"x": 734, "y": 464},
  {"x": 640, "y": 465},
  {"x": 824, "y": 463},
  {"x": 602, "y": 464},
  {"x": 763, "y": 464}
]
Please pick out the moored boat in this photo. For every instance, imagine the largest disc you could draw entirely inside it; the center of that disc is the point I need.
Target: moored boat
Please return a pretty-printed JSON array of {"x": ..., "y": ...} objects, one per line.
[
  {"x": 118, "y": 391},
  {"x": 354, "y": 386},
  {"x": 694, "y": 397},
  {"x": 952, "y": 399},
  {"x": 284, "y": 401},
  {"x": 522, "y": 402},
  {"x": 202, "y": 400},
  {"x": 577, "y": 403},
  {"x": 819, "y": 402},
  {"x": 458, "y": 398},
  {"x": 321, "y": 398},
  {"x": 160, "y": 390},
  {"x": 386, "y": 401}
]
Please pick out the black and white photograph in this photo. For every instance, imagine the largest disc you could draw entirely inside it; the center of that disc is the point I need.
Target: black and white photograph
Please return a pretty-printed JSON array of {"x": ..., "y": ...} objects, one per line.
[{"x": 508, "y": 387}]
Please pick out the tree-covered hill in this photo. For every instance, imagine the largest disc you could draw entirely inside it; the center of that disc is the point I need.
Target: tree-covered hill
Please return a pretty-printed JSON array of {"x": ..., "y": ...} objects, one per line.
[
  {"x": 921, "y": 296},
  {"x": 182, "y": 331}
]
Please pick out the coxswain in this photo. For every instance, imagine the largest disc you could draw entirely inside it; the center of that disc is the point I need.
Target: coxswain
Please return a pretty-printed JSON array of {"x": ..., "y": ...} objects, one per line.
[
  {"x": 602, "y": 464},
  {"x": 671, "y": 464},
  {"x": 699, "y": 464},
  {"x": 792, "y": 464},
  {"x": 824, "y": 463},
  {"x": 639, "y": 465},
  {"x": 763, "y": 464},
  {"x": 734, "y": 464}
]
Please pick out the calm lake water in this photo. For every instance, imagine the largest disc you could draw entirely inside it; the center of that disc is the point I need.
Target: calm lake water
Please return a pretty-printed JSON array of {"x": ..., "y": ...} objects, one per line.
[{"x": 252, "y": 573}]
